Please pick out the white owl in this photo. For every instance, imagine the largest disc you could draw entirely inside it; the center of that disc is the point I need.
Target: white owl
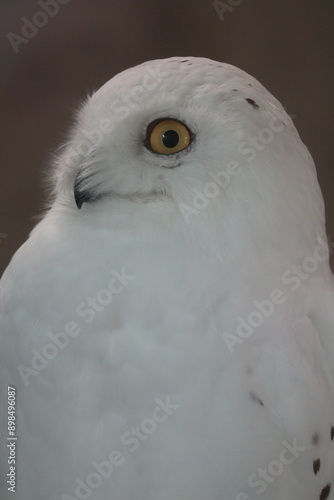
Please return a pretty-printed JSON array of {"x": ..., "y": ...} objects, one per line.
[{"x": 167, "y": 330}]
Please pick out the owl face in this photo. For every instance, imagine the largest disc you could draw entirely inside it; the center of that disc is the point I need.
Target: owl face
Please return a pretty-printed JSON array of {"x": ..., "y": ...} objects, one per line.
[{"x": 194, "y": 132}]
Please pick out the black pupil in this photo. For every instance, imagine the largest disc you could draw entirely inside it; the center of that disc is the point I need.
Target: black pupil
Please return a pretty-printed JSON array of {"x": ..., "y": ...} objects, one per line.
[{"x": 170, "y": 138}]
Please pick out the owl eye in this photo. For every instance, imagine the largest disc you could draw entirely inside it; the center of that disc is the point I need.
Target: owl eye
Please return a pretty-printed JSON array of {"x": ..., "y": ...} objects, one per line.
[{"x": 167, "y": 136}]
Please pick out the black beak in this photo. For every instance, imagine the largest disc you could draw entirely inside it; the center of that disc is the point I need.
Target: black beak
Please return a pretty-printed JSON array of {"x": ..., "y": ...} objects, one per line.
[{"x": 82, "y": 195}]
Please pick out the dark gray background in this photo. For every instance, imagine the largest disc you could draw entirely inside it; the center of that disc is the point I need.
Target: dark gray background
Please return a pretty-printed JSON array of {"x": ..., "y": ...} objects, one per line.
[{"x": 287, "y": 44}]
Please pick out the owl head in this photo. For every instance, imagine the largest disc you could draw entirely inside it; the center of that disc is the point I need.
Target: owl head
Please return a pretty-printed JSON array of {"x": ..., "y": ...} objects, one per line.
[{"x": 203, "y": 136}]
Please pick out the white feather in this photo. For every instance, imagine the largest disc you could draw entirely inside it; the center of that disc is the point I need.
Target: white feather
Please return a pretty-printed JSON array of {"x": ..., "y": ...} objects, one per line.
[{"x": 180, "y": 285}]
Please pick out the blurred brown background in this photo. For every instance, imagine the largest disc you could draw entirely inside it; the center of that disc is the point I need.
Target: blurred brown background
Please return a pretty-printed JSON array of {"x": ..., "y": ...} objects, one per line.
[{"x": 287, "y": 44}]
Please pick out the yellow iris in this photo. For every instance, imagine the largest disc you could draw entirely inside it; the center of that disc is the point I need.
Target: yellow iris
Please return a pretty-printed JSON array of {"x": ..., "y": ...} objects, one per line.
[{"x": 168, "y": 136}]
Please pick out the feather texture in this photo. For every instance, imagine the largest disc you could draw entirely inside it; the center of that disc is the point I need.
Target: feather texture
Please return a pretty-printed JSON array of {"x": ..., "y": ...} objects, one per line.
[{"x": 168, "y": 325}]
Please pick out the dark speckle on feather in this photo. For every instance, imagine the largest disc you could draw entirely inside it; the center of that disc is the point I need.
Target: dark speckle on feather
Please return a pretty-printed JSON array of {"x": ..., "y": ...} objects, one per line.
[
  {"x": 252, "y": 103},
  {"x": 315, "y": 438},
  {"x": 256, "y": 399},
  {"x": 325, "y": 492},
  {"x": 316, "y": 466}
]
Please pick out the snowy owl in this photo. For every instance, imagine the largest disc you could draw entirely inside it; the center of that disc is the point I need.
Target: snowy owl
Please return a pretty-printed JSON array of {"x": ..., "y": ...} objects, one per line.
[{"x": 167, "y": 331}]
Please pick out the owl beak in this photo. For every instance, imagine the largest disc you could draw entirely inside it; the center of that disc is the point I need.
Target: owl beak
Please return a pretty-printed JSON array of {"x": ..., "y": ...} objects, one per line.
[{"x": 82, "y": 195}]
